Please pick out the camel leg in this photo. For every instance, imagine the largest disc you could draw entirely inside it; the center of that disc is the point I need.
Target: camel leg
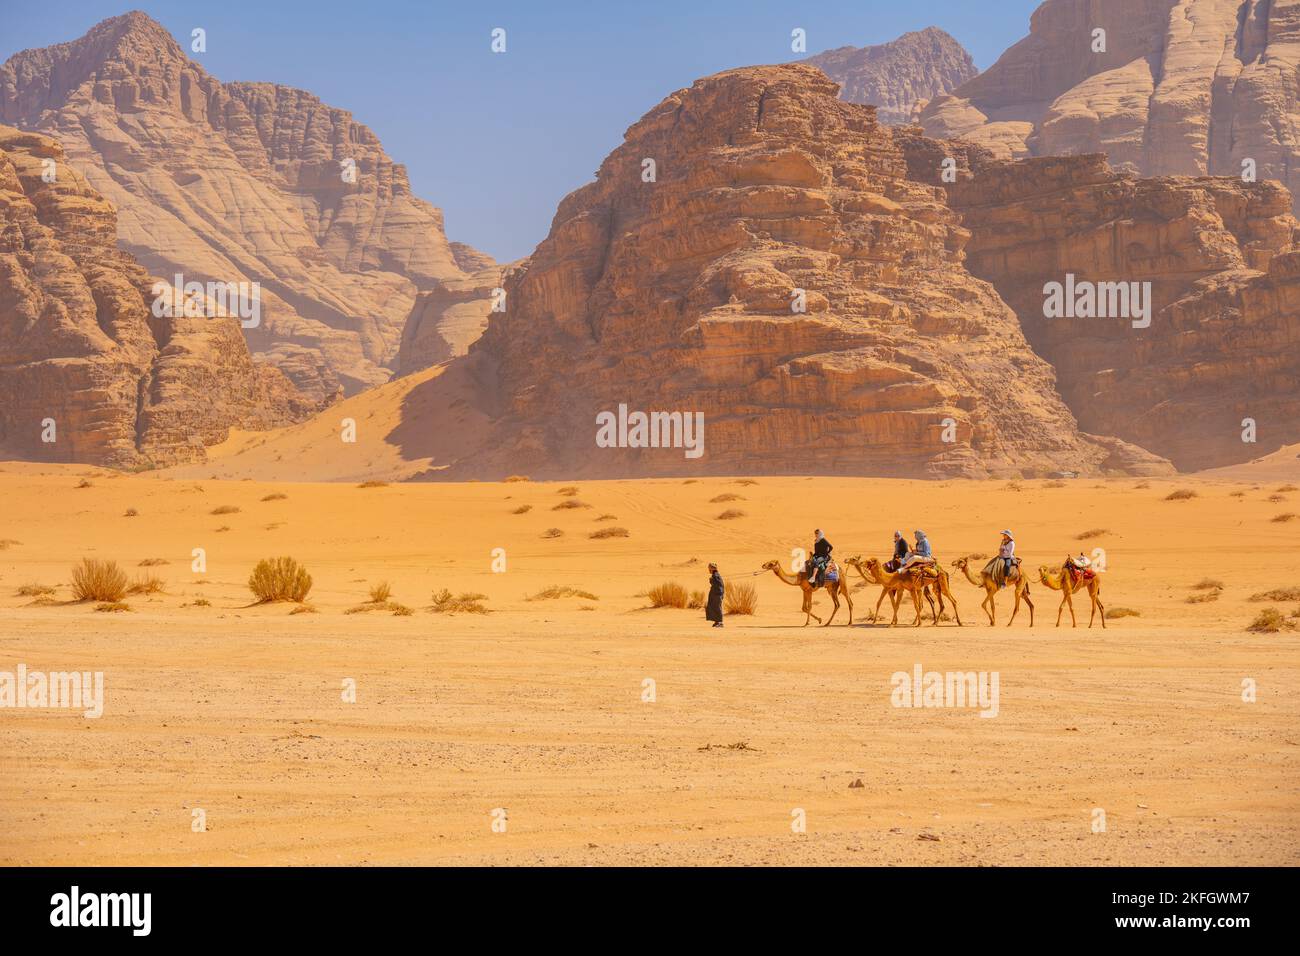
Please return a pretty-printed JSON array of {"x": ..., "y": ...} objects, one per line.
[
  {"x": 1069, "y": 597},
  {"x": 926, "y": 592},
  {"x": 916, "y": 600},
  {"x": 875, "y": 615},
  {"x": 835, "y": 606},
  {"x": 848, "y": 599},
  {"x": 1060, "y": 608},
  {"x": 1031, "y": 606},
  {"x": 955, "y": 612},
  {"x": 1014, "y": 610},
  {"x": 987, "y": 605}
]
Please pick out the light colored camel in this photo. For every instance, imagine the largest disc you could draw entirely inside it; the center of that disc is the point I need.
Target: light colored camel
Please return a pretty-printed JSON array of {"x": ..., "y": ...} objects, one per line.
[
  {"x": 916, "y": 585},
  {"x": 895, "y": 591},
  {"x": 800, "y": 580},
  {"x": 990, "y": 586},
  {"x": 1052, "y": 577}
]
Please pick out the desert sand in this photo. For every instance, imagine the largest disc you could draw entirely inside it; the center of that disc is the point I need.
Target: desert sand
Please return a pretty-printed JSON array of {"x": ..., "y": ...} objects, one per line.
[{"x": 536, "y": 707}]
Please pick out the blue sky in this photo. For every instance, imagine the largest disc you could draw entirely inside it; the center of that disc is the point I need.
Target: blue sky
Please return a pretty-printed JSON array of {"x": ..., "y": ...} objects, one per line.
[{"x": 498, "y": 140}]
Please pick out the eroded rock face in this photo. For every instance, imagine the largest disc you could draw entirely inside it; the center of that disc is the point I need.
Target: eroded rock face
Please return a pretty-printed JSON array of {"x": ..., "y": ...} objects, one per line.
[
  {"x": 243, "y": 182},
  {"x": 1223, "y": 344},
  {"x": 899, "y": 77},
  {"x": 448, "y": 318},
  {"x": 1184, "y": 87},
  {"x": 83, "y": 359},
  {"x": 676, "y": 295}
]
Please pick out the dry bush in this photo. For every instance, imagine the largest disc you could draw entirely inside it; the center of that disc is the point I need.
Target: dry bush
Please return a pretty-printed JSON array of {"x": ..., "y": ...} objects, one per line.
[
  {"x": 517, "y": 478},
  {"x": 556, "y": 591},
  {"x": 152, "y": 562},
  {"x": 570, "y": 504},
  {"x": 304, "y": 609},
  {"x": 1122, "y": 612},
  {"x": 569, "y": 490},
  {"x": 1143, "y": 484},
  {"x": 668, "y": 594},
  {"x": 275, "y": 496},
  {"x": 84, "y": 483},
  {"x": 224, "y": 510},
  {"x": 7, "y": 543},
  {"x": 373, "y": 484},
  {"x": 198, "y": 602},
  {"x": 380, "y": 593},
  {"x": 730, "y": 514},
  {"x": 1054, "y": 484},
  {"x": 740, "y": 599},
  {"x": 697, "y": 601},
  {"x": 610, "y": 533},
  {"x": 130, "y": 513},
  {"x": 400, "y": 610},
  {"x": 112, "y": 606},
  {"x": 34, "y": 590},
  {"x": 1237, "y": 494},
  {"x": 691, "y": 481},
  {"x": 1091, "y": 533},
  {"x": 1286, "y": 488},
  {"x": 1205, "y": 597},
  {"x": 1282, "y": 518},
  {"x": 552, "y": 533},
  {"x": 146, "y": 584},
  {"x": 1208, "y": 584},
  {"x": 96, "y": 580},
  {"x": 279, "y": 579},
  {"x": 1012, "y": 486},
  {"x": 720, "y": 499},
  {"x": 1270, "y": 621},
  {"x": 465, "y": 603},
  {"x": 1182, "y": 494},
  {"x": 744, "y": 481},
  {"x": 522, "y": 510},
  {"x": 608, "y": 518},
  {"x": 1278, "y": 594},
  {"x": 1275, "y": 499}
]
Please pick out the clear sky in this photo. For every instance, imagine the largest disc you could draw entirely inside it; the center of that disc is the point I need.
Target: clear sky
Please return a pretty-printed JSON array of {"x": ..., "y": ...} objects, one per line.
[{"x": 497, "y": 140}]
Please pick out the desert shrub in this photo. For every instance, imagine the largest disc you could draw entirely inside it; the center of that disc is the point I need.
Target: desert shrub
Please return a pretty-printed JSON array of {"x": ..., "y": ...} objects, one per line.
[
  {"x": 224, "y": 510},
  {"x": 570, "y": 504},
  {"x": 522, "y": 510},
  {"x": 373, "y": 484},
  {"x": 146, "y": 584},
  {"x": 1054, "y": 484},
  {"x": 130, "y": 513},
  {"x": 1205, "y": 597},
  {"x": 516, "y": 478},
  {"x": 744, "y": 481},
  {"x": 1288, "y": 516},
  {"x": 380, "y": 593},
  {"x": 275, "y": 496},
  {"x": 697, "y": 601},
  {"x": 1237, "y": 494},
  {"x": 304, "y": 609},
  {"x": 1270, "y": 621},
  {"x": 84, "y": 483},
  {"x": 112, "y": 606},
  {"x": 740, "y": 599},
  {"x": 1182, "y": 494},
  {"x": 199, "y": 602},
  {"x": 152, "y": 562},
  {"x": 96, "y": 580},
  {"x": 7, "y": 543},
  {"x": 34, "y": 590},
  {"x": 1275, "y": 499},
  {"x": 400, "y": 610},
  {"x": 1208, "y": 584},
  {"x": 552, "y": 533},
  {"x": 279, "y": 579},
  {"x": 465, "y": 603},
  {"x": 610, "y": 533},
  {"x": 1090, "y": 534},
  {"x": 730, "y": 514},
  {"x": 668, "y": 594},
  {"x": 1122, "y": 612},
  {"x": 1143, "y": 484},
  {"x": 608, "y": 518},
  {"x": 568, "y": 490},
  {"x": 720, "y": 499},
  {"x": 556, "y": 591},
  {"x": 1286, "y": 488},
  {"x": 1278, "y": 594}
]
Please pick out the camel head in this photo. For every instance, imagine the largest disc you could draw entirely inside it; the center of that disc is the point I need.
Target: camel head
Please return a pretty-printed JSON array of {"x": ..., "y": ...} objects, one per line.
[
  {"x": 771, "y": 565},
  {"x": 960, "y": 564},
  {"x": 854, "y": 562},
  {"x": 1045, "y": 574},
  {"x": 873, "y": 565}
]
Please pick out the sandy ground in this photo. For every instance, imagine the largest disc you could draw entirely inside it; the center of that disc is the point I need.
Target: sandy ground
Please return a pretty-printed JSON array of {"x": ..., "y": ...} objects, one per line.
[{"x": 537, "y": 707}]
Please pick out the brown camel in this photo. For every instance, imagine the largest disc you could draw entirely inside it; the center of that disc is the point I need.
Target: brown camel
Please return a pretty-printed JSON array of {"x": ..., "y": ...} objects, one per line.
[
  {"x": 990, "y": 586},
  {"x": 1052, "y": 577},
  {"x": 834, "y": 588},
  {"x": 916, "y": 585},
  {"x": 895, "y": 592}
]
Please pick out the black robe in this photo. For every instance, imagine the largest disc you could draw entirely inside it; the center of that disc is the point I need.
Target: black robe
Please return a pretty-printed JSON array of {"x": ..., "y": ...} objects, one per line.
[{"x": 713, "y": 610}]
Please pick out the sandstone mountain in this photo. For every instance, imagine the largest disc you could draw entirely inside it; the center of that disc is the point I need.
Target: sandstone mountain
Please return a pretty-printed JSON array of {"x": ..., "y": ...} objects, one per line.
[
  {"x": 87, "y": 372},
  {"x": 901, "y": 76},
  {"x": 1220, "y": 255},
  {"x": 247, "y": 182},
  {"x": 1183, "y": 87},
  {"x": 678, "y": 295}
]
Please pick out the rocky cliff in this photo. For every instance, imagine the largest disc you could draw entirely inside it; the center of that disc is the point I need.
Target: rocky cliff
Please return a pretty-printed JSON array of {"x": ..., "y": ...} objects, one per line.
[
  {"x": 1168, "y": 87},
  {"x": 901, "y": 76},
  {"x": 87, "y": 371},
  {"x": 244, "y": 182},
  {"x": 675, "y": 286},
  {"x": 1217, "y": 259}
]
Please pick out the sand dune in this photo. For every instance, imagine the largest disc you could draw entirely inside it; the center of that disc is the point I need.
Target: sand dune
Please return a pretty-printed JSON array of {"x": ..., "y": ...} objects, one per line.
[{"x": 537, "y": 706}]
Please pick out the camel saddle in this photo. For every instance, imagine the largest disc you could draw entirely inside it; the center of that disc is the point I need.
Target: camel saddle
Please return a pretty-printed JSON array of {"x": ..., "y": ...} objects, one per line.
[
  {"x": 832, "y": 573},
  {"x": 927, "y": 572},
  {"x": 996, "y": 569}
]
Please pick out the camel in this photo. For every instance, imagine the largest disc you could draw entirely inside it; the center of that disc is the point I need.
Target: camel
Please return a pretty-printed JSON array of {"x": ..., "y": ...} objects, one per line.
[
  {"x": 1052, "y": 577},
  {"x": 914, "y": 584},
  {"x": 895, "y": 593},
  {"x": 834, "y": 588},
  {"x": 990, "y": 586}
]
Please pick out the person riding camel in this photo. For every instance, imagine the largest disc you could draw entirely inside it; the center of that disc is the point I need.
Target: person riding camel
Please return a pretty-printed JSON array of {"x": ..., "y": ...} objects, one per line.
[
  {"x": 921, "y": 555},
  {"x": 821, "y": 557},
  {"x": 901, "y": 549},
  {"x": 1007, "y": 553}
]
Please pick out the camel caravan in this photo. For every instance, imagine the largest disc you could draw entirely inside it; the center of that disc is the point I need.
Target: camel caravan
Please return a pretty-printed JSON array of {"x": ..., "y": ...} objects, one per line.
[{"x": 915, "y": 572}]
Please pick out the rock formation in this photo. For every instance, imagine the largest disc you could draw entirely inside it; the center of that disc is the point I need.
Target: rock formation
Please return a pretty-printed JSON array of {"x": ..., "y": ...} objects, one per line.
[
  {"x": 681, "y": 295},
  {"x": 1220, "y": 257},
  {"x": 900, "y": 76},
  {"x": 1181, "y": 87},
  {"x": 87, "y": 371},
  {"x": 244, "y": 182}
]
